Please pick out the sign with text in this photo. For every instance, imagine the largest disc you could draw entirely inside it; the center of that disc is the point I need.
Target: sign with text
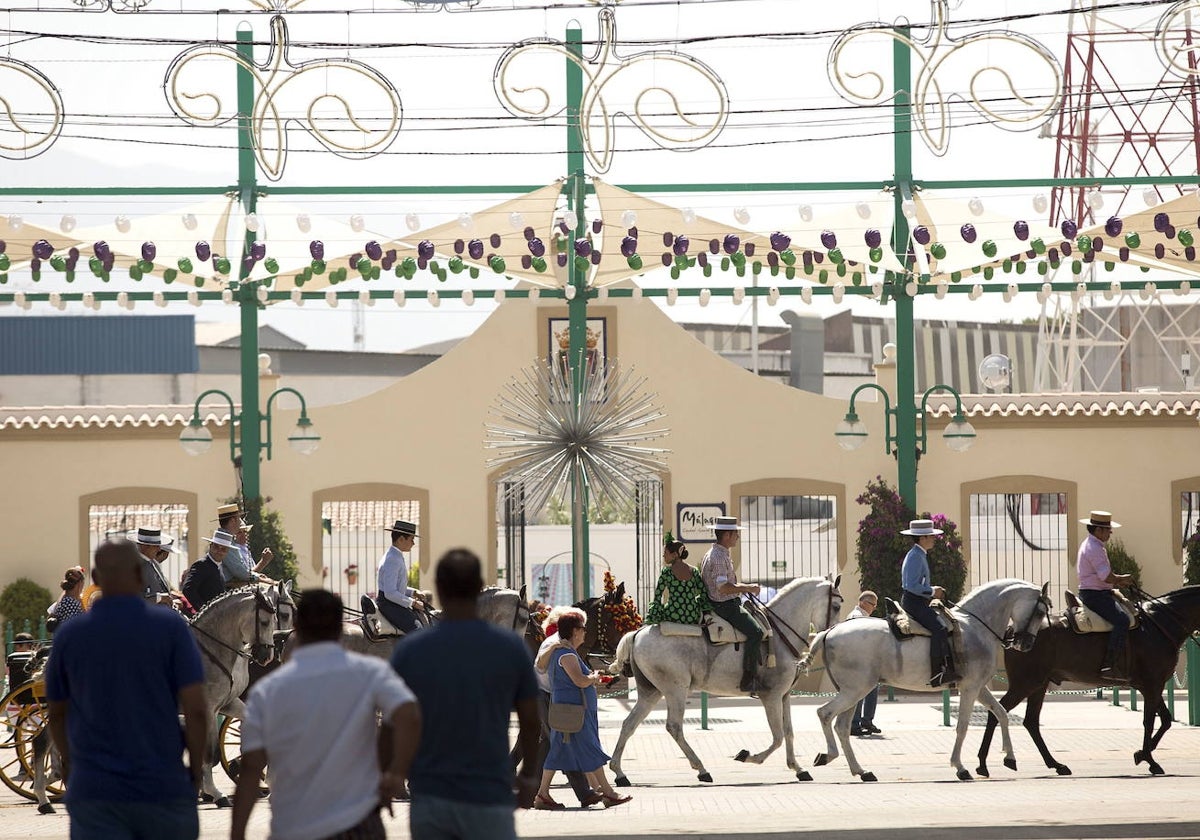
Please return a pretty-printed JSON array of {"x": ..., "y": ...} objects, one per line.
[{"x": 693, "y": 522}]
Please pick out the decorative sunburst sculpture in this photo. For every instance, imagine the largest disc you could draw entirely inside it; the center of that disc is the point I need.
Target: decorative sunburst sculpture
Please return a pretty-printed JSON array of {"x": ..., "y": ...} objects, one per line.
[{"x": 545, "y": 434}]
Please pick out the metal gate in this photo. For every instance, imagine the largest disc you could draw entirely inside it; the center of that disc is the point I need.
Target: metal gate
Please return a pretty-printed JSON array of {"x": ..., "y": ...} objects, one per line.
[
  {"x": 511, "y": 562},
  {"x": 648, "y": 537},
  {"x": 112, "y": 521},
  {"x": 1189, "y": 506},
  {"x": 1021, "y": 535},
  {"x": 354, "y": 539},
  {"x": 786, "y": 537}
]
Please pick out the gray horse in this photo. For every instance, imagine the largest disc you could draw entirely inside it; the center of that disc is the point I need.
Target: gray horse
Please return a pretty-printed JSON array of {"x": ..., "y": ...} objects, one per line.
[
  {"x": 230, "y": 630},
  {"x": 675, "y": 666},
  {"x": 862, "y": 653}
]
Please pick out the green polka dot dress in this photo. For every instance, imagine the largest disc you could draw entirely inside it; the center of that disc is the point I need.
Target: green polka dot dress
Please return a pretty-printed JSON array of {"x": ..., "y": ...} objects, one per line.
[{"x": 685, "y": 599}]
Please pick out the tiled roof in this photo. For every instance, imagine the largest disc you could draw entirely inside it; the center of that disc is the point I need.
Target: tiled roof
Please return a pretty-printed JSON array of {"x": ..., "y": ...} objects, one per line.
[
  {"x": 1070, "y": 405},
  {"x": 94, "y": 417}
]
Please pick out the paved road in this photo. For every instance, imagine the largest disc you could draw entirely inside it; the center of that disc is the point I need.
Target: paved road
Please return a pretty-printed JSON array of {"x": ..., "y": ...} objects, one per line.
[{"x": 917, "y": 797}]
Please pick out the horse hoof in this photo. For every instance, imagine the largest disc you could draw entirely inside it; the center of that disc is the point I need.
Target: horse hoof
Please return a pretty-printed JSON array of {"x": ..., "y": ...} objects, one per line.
[
  {"x": 981, "y": 770},
  {"x": 1156, "y": 769},
  {"x": 803, "y": 776},
  {"x": 964, "y": 775},
  {"x": 45, "y": 808},
  {"x": 868, "y": 777},
  {"x": 705, "y": 777},
  {"x": 1062, "y": 770},
  {"x": 1139, "y": 757},
  {"x": 742, "y": 756},
  {"x": 224, "y": 802},
  {"x": 821, "y": 760},
  {"x": 1010, "y": 763},
  {"x": 206, "y": 799},
  {"x": 621, "y": 781}
]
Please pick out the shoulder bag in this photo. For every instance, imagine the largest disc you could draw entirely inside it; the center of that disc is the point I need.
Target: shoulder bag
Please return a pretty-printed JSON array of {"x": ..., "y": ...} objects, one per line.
[{"x": 567, "y": 718}]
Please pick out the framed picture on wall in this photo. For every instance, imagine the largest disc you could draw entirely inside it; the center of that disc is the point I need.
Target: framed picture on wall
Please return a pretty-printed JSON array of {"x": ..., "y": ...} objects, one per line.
[{"x": 558, "y": 342}]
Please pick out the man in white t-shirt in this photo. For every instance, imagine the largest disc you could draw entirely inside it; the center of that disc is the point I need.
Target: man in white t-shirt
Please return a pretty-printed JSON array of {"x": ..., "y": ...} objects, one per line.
[{"x": 314, "y": 722}]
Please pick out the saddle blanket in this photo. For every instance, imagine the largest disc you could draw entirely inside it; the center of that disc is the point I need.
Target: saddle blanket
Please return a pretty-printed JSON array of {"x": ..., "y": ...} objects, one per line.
[
  {"x": 1082, "y": 620},
  {"x": 904, "y": 625}
]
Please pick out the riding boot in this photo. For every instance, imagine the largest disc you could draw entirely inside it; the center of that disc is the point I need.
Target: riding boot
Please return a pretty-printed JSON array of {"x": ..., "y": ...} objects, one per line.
[
  {"x": 750, "y": 683},
  {"x": 1114, "y": 667},
  {"x": 947, "y": 675}
]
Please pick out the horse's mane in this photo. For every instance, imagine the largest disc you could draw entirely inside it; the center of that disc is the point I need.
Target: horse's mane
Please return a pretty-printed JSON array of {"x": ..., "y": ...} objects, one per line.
[
  {"x": 228, "y": 595},
  {"x": 796, "y": 584},
  {"x": 997, "y": 585},
  {"x": 1186, "y": 593}
]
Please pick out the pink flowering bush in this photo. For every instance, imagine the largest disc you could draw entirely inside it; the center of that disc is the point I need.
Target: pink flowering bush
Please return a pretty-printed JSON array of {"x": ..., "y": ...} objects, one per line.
[{"x": 881, "y": 546}]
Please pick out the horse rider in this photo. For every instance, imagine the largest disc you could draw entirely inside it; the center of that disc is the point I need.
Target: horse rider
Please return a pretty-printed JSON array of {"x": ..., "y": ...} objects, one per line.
[
  {"x": 397, "y": 600},
  {"x": 203, "y": 581},
  {"x": 726, "y": 595},
  {"x": 918, "y": 592},
  {"x": 1097, "y": 582},
  {"x": 239, "y": 568},
  {"x": 156, "y": 548}
]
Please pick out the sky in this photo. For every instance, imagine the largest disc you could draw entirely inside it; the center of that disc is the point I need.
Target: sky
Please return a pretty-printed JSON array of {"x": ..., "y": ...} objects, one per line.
[{"x": 787, "y": 121}]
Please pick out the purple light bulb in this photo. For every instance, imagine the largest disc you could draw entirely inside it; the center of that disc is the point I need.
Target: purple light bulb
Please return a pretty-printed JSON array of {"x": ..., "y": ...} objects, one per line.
[
  {"x": 3, "y": 246},
  {"x": 628, "y": 246},
  {"x": 1021, "y": 230},
  {"x": 316, "y": 248},
  {"x": 921, "y": 235},
  {"x": 595, "y": 258},
  {"x": 460, "y": 245},
  {"x": 667, "y": 259},
  {"x": 42, "y": 249},
  {"x": 149, "y": 251},
  {"x": 1161, "y": 222},
  {"x": 1113, "y": 226},
  {"x": 749, "y": 249},
  {"x": 1069, "y": 229},
  {"x": 536, "y": 247},
  {"x": 530, "y": 233},
  {"x": 258, "y": 250},
  {"x": 668, "y": 238},
  {"x": 681, "y": 245},
  {"x": 475, "y": 249},
  {"x": 494, "y": 239},
  {"x": 583, "y": 247},
  {"x": 780, "y": 241},
  {"x": 873, "y": 238},
  {"x": 374, "y": 250},
  {"x": 828, "y": 240},
  {"x": 425, "y": 250},
  {"x": 968, "y": 233},
  {"x": 597, "y": 225},
  {"x": 562, "y": 259},
  {"x": 732, "y": 243}
]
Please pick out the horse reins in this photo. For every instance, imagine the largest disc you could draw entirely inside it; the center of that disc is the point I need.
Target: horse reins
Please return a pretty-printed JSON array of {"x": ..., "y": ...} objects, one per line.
[
  {"x": 258, "y": 608},
  {"x": 778, "y": 623},
  {"x": 1041, "y": 600}
]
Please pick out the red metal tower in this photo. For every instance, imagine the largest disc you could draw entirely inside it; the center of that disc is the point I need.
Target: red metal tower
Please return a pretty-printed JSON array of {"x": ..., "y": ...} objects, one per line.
[{"x": 1119, "y": 120}]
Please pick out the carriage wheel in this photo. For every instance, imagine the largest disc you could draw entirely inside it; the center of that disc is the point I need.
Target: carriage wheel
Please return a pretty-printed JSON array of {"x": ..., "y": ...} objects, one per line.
[
  {"x": 230, "y": 742},
  {"x": 22, "y": 719}
]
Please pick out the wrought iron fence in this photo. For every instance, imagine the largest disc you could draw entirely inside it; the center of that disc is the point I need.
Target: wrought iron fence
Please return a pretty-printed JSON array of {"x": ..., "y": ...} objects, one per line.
[
  {"x": 786, "y": 537},
  {"x": 109, "y": 521},
  {"x": 354, "y": 539},
  {"x": 1021, "y": 535}
]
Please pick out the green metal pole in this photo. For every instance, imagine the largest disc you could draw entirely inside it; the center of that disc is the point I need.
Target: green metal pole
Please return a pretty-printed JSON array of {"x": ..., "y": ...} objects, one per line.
[
  {"x": 577, "y": 308},
  {"x": 251, "y": 425},
  {"x": 946, "y": 707},
  {"x": 1193, "y": 680},
  {"x": 906, "y": 387},
  {"x": 704, "y": 710}
]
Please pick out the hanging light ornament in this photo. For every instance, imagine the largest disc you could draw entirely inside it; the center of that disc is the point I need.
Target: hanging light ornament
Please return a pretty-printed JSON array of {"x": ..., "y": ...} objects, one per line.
[
  {"x": 1041, "y": 203},
  {"x": 908, "y": 208},
  {"x": 1150, "y": 196},
  {"x": 67, "y": 223},
  {"x": 122, "y": 223},
  {"x": 1095, "y": 200},
  {"x": 252, "y": 222},
  {"x": 975, "y": 205},
  {"x": 806, "y": 212},
  {"x": 357, "y": 223},
  {"x": 742, "y": 215},
  {"x": 15, "y": 222},
  {"x": 863, "y": 210},
  {"x": 465, "y": 221},
  {"x": 688, "y": 215}
]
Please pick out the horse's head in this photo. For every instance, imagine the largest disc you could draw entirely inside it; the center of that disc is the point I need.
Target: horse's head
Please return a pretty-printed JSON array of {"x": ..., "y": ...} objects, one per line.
[
  {"x": 266, "y": 614},
  {"x": 1036, "y": 611}
]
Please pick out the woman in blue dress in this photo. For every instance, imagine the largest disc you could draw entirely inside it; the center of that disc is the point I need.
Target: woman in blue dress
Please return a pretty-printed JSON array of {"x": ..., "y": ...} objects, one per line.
[{"x": 573, "y": 682}]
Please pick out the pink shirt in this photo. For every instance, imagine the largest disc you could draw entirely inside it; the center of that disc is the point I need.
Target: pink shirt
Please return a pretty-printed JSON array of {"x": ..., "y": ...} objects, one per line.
[{"x": 1092, "y": 564}]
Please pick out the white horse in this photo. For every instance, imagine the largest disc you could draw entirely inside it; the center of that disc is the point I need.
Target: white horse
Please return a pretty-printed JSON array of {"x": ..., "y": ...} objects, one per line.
[
  {"x": 862, "y": 653},
  {"x": 674, "y": 666},
  {"x": 230, "y": 630}
]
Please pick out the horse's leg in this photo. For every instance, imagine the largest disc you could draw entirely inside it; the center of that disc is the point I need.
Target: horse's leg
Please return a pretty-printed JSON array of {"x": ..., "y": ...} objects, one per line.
[
  {"x": 1154, "y": 703},
  {"x": 967, "y": 694},
  {"x": 840, "y": 709},
  {"x": 774, "y": 712},
  {"x": 1009, "y": 701},
  {"x": 1164, "y": 715},
  {"x": 789, "y": 739},
  {"x": 1033, "y": 725},
  {"x": 648, "y": 698},
  {"x": 675, "y": 709},
  {"x": 41, "y": 755},
  {"x": 234, "y": 708},
  {"x": 997, "y": 712}
]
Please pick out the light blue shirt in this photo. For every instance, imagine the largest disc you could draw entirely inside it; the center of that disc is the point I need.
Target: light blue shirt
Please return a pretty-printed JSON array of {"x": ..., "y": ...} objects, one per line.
[
  {"x": 238, "y": 565},
  {"x": 914, "y": 574},
  {"x": 393, "y": 578}
]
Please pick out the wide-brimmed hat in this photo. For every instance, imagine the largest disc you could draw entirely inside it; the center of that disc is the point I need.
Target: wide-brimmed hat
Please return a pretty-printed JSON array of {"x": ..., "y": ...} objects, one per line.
[
  {"x": 220, "y": 537},
  {"x": 1100, "y": 519},
  {"x": 229, "y": 510},
  {"x": 726, "y": 523},
  {"x": 405, "y": 528},
  {"x": 922, "y": 528},
  {"x": 154, "y": 536}
]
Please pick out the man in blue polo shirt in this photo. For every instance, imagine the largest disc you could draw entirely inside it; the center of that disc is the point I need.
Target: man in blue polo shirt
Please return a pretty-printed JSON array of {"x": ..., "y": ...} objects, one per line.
[{"x": 118, "y": 677}]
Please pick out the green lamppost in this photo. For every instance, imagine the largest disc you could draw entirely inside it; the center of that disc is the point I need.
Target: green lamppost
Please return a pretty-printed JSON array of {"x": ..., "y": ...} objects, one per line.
[{"x": 245, "y": 449}]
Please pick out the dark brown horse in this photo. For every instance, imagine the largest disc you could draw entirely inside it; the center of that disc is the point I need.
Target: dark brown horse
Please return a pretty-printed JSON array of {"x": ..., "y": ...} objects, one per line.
[{"x": 1061, "y": 655}]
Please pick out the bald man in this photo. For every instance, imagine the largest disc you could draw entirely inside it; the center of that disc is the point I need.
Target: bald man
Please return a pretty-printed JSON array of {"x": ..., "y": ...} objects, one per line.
[{"x": 117, "y": 679}]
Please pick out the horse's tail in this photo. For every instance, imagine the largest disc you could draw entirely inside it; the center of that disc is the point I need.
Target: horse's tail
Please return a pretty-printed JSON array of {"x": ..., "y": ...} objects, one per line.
[
  {"x": 805, "y": 662},
  {"x": 623, "y": 654}
]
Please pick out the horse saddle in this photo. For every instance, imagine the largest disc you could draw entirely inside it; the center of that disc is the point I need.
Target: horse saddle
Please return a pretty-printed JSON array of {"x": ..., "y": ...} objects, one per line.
[
  {"x": 374, "y": 624},
  {"x": 904, "y": 626},
  {"x": 1082, "y": 620}
]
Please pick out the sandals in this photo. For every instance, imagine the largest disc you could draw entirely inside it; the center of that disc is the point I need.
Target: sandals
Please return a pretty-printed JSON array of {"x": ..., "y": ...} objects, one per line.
[
  {"x": 612, "y": 800},
  {"x": 545, "y": 803}
]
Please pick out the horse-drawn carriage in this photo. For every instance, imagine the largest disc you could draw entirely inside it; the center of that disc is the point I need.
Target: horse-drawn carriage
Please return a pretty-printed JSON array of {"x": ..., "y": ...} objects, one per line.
[{"x": 24, "y": 736}]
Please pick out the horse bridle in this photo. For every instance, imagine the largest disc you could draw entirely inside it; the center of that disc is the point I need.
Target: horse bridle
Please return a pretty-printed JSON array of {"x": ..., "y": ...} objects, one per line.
[
  {"x": 1010, "y": 637},
  {"x": 778, "y": 623},
  {"x": 257, "y": 647}
]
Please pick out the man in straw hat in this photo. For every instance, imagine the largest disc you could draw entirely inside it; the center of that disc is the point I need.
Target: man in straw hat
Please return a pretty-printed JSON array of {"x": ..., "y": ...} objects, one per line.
[
  {"x": 1096, "y": 584},
  {"x": 239, "y": 567},
  {"x": 397, "y": 600},
  {"x": 918, "y": 592},
  {"x": 203, "y": 582},
  {"x": 155, "y": 548},
  {"x": 726, "y": 595}
]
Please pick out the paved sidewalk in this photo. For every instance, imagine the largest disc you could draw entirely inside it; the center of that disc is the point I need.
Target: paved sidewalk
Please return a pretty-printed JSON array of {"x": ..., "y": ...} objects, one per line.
[{"x": 916, "y": 798}]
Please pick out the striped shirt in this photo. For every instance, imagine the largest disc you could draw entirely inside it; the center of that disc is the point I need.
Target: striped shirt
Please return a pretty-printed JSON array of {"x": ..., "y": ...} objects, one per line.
[{"x": 716, "y": 570}]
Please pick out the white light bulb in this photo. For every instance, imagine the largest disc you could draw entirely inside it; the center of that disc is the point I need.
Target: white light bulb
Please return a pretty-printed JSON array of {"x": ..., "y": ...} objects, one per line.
[
  {"x": 468, "y": 297},
  {"x": 1041, "y": 203},
  {"x": 189, "y": 221},
  {"x": 193, "y": 297},
  {"x": 688, "y": 215},
  {"x": 1150, "y": 196},
  {"x": 15, "y": 222},
  {"x": 806, "y": 294},
  {"x": 910, "y": 289},
  {"x": 227, "y": 296},
  {"x": 331, "y": 298},
  {"x": 251, "y": 222},
  {"x": 398, "y": 297},
  {"x": 297, "y": 297},
  {"x": 304, "y": 223},
  {"x": 942, "y": 288},
  {"x": 159, "y": 299},
  {"x": 122, "y": 223},
  {"x": 909, "y": 208},
  {"x": 412, "y": 221},
  {"x": 499, "y": 296},
  {"x": 975, "y": 205},
  {"x": 876, "y": 290},
  {"x": 742, "y": 215},
  {"x": 465, "y": 221},
  {"x": 357, "y": 223},
  {"x": 672, "y": 296},
  {"x": 806, "y": 212},
  {"x": 628, "y": 218},
  {"x": 863, "y": 210},
  {"x": 516, "y": 220},
  {"x": 739, "y": 294},
  {"x": 1096, "y": 200},
  {"x": 839, "y": 290},
  {"x": 435, "y": 300},
  {"x": 67, "y": 223},
  {"x": 705, "y": 296}
]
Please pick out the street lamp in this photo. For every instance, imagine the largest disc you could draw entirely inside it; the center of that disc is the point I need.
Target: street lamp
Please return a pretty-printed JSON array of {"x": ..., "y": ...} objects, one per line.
[
  {"x": 196, "y": 439},
  {"x": 851, "y": 433}
]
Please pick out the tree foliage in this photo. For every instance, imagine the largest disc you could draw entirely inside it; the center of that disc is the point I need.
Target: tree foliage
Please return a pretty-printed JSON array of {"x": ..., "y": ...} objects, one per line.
[
  {"x": 881, "y": 546},
  {"x": 23, "y": 600},
  {"x": 268, "y": 532},
  {"x": 1122, "y": 562},
  {"x": 1191, "y": 553}
]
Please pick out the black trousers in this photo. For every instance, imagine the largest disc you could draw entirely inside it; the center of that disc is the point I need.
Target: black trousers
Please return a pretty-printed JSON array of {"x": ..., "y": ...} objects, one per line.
[
  {"x": 733, "y": 612},
  {"x": 1101, "y": 602},
  {"x": 404, "y": 618},
  {"x": 576, "y": 778},
  {"x": 918, "y": 607}
]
